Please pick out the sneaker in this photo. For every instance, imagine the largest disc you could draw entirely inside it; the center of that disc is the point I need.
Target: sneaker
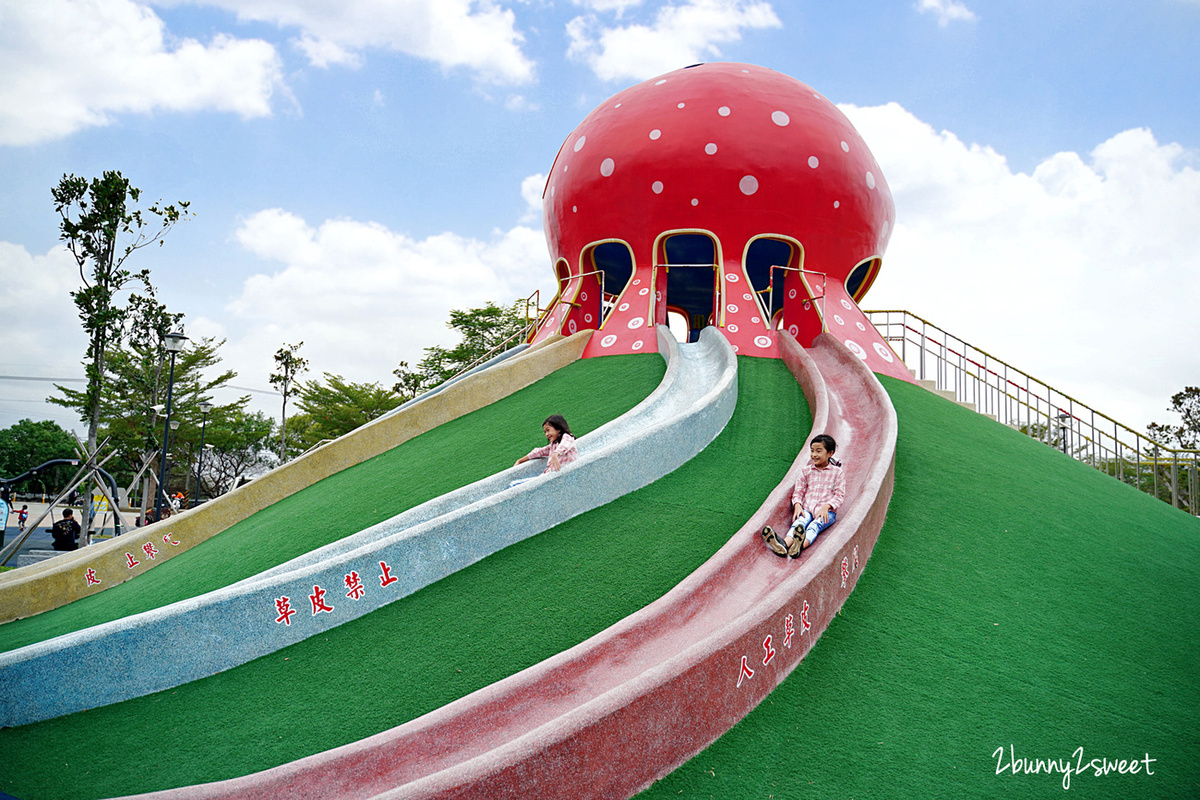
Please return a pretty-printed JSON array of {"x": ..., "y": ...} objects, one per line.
[
  {"x": 797, "y": 545},
  {"x": 771, "y": 539}
]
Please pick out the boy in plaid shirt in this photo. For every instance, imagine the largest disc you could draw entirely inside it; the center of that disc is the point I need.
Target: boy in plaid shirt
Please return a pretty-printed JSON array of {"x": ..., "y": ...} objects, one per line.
[{"x": 819, "y": 493}]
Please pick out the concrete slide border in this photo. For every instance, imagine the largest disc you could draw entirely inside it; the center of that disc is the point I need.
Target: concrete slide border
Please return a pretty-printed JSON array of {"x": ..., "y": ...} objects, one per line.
[
  {"x": 191, "y": 639},
  {"x": 40, "y": 587},
  {"x": 620, "y": 710}
]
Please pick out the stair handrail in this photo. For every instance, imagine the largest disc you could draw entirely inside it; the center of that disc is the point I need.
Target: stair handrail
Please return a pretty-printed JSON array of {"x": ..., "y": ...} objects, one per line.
[{"x": 1018, "y": 399}]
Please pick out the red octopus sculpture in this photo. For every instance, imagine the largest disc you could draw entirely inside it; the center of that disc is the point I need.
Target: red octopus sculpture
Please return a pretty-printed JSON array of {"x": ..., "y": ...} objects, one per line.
[{"x": 720, "y": 194}]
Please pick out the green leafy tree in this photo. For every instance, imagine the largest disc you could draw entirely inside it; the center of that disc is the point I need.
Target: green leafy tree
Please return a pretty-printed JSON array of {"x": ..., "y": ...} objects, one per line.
[
  {"x": 298, "y": 439},
  {"x": 484, "y": 331},
  {"x": 288, "y": 368},
  {"x": 137, "y": 366},
  {"x": 102, "y": 228},
  {"x": 29, "y": 444},
  {"x": 238, "y": 445},
  {"x": 336, "y": 406},
  {"x": 1187, "y": 434},
  {"x": 1177, "y": 474}
]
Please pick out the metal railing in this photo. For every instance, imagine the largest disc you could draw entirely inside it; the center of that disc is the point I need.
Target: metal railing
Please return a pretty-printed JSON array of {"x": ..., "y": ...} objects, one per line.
[
  {"x": 817, "y": 297},
  {"x": 531, "y": 322},
  {"x": 1040, "y": 411}
]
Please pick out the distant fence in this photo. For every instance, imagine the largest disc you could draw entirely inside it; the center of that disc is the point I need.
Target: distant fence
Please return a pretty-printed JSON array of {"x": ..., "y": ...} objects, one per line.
[{"x": 1037, "y": 409}]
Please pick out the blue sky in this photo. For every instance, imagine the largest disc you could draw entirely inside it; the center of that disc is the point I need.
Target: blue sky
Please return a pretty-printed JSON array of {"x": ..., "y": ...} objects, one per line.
[{"x": 358, "y": 168}]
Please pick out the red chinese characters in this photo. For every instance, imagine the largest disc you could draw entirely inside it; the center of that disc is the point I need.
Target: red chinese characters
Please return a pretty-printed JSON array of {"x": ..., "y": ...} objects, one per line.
[
  {"x": 150, "y": 550},
  {"x": 845, "y": 571},
  {"x": 789, "y": 628},
  {"x": 386, "y": 578},
  {"x": 354, "y": 584},
  {"x": 130, "y": 561},
  {"x": 317, "y": 598},
  {"x": 745, "y": 674},
  {"x": 804, "y": 623},
  {"x": 770, "y": 650},
  {"x": 283, "y": 606},
  {"x": 168, "y": 540},
  {"x": 855, "y": 557},
  {"x": 89, "y": 575}
]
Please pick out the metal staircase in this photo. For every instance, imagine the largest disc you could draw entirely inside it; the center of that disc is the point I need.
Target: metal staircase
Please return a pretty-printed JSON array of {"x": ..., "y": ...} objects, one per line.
[{"x": 976, "y": 379}]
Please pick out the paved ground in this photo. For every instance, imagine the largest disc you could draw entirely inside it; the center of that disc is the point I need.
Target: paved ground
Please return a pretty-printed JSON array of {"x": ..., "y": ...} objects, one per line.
[{"x": 40, "y": 538}]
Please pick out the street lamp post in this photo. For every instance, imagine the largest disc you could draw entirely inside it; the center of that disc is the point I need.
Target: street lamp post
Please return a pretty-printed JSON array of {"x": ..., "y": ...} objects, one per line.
[
  {"x": 205, "y": 407},
  {"x": 1064, "y": 423},
  {"x": 174, "y": 343}
]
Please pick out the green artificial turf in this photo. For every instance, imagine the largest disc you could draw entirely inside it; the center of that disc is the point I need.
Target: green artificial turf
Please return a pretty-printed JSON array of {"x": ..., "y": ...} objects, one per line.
[
  {"x": 490, "y": 620},
  {"x": 1016, "y": 598},
  {"x": 588, "y": 393}
]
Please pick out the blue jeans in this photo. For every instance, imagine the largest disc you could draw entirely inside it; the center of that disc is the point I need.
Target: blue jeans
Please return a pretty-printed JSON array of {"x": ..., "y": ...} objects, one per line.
[{"x": 811, "y": 526}]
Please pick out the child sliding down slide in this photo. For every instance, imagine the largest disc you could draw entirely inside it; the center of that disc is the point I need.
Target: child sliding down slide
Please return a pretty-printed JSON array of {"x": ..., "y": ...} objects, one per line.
[
  {"x": 819, "y": 493},
  {"x": 558, "y": 453}
]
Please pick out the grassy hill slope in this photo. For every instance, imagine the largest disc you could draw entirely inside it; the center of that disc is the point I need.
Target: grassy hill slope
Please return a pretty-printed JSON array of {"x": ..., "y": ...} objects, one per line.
[
  {"x": 588, "y": 393},
  {"x": 506, "y": 612},
  {"x": 1016, "y": 599}
]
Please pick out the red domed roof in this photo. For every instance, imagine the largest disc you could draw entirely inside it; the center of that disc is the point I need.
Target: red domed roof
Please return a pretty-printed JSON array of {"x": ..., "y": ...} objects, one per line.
[
  {"x": 728, "y": 194},
  {"x": 734, "y": 149}
]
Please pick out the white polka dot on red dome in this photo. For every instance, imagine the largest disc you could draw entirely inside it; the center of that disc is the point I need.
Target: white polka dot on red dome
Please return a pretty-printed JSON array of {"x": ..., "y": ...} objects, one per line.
[
  {"x": 723, "y": 111},
  {"x": 695, "y": 201},
  {"x": 574, "y": 209},
  {"x": 654, "y": 134},
  {"x": 845, "y": 147},
  {"x": 748, "y": 185},
  {"x": 884, "y": 232},
  {"x": 607, "y": 166},
  {"x": 660, "y": 83},
  {"x": 710, "y": 148},
  {"x": 836, "y": 203},
  {"x": 579, "y": 143},
  {"x": 656, "y": 187},
  {"x": 870, "y": 181},
  {"x": 813, "y": 162},
  {"x": 780, "y": 118},
  {"x": 681, "y": 105}
]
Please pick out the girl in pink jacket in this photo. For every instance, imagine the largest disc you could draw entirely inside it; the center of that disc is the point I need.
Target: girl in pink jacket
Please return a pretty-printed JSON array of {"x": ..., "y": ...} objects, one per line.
[{"x": 560, "y": 449}]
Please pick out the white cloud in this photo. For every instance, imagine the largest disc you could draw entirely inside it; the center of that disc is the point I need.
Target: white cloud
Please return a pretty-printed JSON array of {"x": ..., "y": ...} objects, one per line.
[
  {"x": 480, "y": 36},
  {"x": 71, "y": 65},
  {"x": 947, "y": 11},
  {"x": 616, "y": 6},
  {"x": 41, "y": 336},
  {"x": 531, "y": 192},
  {"x": 519, "y": 102},
  {"x": 680, "y": 35},
  {"x": 1084, "y": 273},
  {"x": 363, "y": 297}
]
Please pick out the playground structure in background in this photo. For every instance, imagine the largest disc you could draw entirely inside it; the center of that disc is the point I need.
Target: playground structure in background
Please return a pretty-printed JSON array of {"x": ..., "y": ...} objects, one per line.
[{"x": 728, "y": 198}]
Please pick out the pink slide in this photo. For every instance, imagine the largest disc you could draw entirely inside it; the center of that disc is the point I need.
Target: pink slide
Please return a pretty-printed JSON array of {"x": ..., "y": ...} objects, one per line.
[{"x": 616, "y": 712}]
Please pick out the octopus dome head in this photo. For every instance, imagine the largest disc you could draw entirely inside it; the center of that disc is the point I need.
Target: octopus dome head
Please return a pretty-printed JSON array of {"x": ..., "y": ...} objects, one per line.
[{"x": 732, "y": 165}]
